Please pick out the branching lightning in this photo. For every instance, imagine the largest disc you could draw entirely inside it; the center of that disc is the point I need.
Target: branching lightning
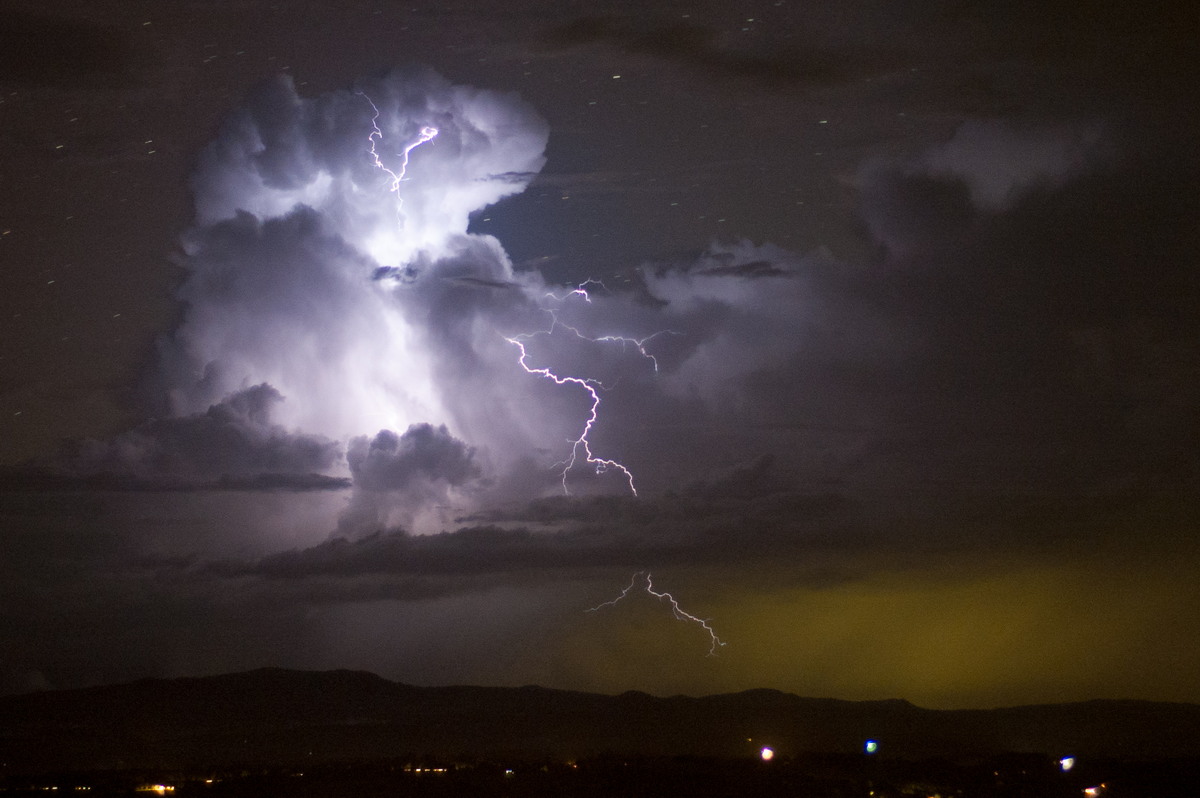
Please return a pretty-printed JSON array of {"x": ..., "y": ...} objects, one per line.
[
  {"x": 676, "y": 610},
  {"x": 579, "y": 291},
  {"x": 376, "y": 136},
  {"x": 600, "y": 464},
  {"x": 581, "y": 447},
  {"x": 625, "y": 341}
]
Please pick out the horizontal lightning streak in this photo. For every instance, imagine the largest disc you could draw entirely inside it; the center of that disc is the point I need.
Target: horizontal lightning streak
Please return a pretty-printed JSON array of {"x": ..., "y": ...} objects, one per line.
[
  {"x": 579, "y": 290},
  {"x": 676, "y": 610}
]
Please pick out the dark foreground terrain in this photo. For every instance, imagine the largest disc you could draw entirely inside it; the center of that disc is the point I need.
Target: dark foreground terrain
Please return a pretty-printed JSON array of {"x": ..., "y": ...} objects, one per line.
[
  {"x": 290, "y": 733},
  {"x": 819, "y": 776}
]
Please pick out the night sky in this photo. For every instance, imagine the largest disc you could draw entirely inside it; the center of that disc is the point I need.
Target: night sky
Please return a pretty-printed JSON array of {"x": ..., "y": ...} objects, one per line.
[{"x": 891, "y": 310}]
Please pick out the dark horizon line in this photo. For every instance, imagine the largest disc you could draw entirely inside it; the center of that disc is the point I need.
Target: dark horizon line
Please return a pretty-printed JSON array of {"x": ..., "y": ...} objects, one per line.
[{"x": 631, "y": 693}]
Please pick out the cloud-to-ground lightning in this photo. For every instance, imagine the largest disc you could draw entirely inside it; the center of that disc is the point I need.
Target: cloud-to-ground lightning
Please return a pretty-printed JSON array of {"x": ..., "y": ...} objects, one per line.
[
  {"x": 582, "y": 445},
  {"x": 715, "y": 641}
]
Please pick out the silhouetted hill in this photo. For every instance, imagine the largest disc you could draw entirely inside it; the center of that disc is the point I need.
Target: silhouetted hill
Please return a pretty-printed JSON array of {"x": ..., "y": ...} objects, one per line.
[{"x": 282, "y": 717}]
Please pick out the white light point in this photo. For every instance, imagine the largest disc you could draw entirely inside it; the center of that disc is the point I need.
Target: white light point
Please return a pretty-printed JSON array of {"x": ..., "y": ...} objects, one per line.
[{"x": 676, "y": 610}]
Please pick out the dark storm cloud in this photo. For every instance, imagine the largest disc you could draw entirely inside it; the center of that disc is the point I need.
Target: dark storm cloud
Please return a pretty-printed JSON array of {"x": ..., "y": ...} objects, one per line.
[
  {"x": 390, "y": 462},
  {"x": 470, "y": 550},
  {"x": 699, "y": 47},
  {"x": 277, "y": 481},
  {"x": 481, "y": 282},
  {"x": 1054, "y": 300},
  {"x": 232, "y": 445},
  {"x": 755, "y": 268},
  {"x": 748, "y": 521},
  {"x": 749, "y": 508},
  {"x": 1042, "y": 60},
  {"x": 518, "y": 178}
]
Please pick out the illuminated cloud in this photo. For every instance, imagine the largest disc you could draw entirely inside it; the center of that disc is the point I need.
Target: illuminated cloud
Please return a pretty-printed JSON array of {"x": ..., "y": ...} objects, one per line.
[
  {"x": 418, "y": 469},
  {"x": 369, "y": 310},
  {"x": 372, "y": 310}
]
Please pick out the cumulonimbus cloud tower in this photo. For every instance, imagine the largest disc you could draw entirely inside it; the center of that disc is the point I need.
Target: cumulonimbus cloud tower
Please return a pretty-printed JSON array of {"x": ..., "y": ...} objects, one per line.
[
  {"x": 357, "y": 304},
  {"x": 330, "y": 260}
]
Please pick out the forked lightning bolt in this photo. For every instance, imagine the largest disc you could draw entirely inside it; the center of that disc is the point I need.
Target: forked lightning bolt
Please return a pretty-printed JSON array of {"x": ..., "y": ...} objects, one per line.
[
  {"x": 376, "y": 136},
  {"x": 624, "y": 340},
  {"x": 581, "y": 447},
  {"x": 581, "y": 443},
  {"x": 579, "y": 291},
  {"x": 678, "y": 612}
]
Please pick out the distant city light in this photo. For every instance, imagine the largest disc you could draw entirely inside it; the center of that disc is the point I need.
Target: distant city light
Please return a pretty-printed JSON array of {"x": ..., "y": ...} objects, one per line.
[
  {"x": 768, "y": 754},
  {"x": 871, "y": 746},
  {"x": 1092, "y": 792},
  {"x": 1067, "y": 762}
]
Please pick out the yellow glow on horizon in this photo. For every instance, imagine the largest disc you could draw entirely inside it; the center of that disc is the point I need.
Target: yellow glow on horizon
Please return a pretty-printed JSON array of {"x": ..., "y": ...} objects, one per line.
[{"x": 943, "y": 634}]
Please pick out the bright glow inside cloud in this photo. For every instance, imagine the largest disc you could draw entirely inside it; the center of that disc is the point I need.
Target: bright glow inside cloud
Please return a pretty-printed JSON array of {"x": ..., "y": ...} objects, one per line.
[
  {"x": 309, "y": 274},
  {"x": 330, "y": 263}
]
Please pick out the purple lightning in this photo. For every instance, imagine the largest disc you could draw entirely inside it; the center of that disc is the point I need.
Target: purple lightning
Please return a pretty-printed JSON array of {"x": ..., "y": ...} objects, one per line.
[
  {"x": 581, "y": 447},
  {"x": 579, "y": 290},
  {"x": 427, "y": 134},
  {"x": 581, "y": 443},
  {"x": 676, "y": 610}
]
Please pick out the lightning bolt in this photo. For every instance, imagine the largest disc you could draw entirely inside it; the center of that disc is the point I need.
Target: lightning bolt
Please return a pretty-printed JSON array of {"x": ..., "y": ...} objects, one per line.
[
  {"x": 579, "y": 291},
  {"x": 376, "y": 136},
  {"x": 580, "y": 444},
  {"x": 676, "y": 610},
  {"x": 581, "y": 447}
]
